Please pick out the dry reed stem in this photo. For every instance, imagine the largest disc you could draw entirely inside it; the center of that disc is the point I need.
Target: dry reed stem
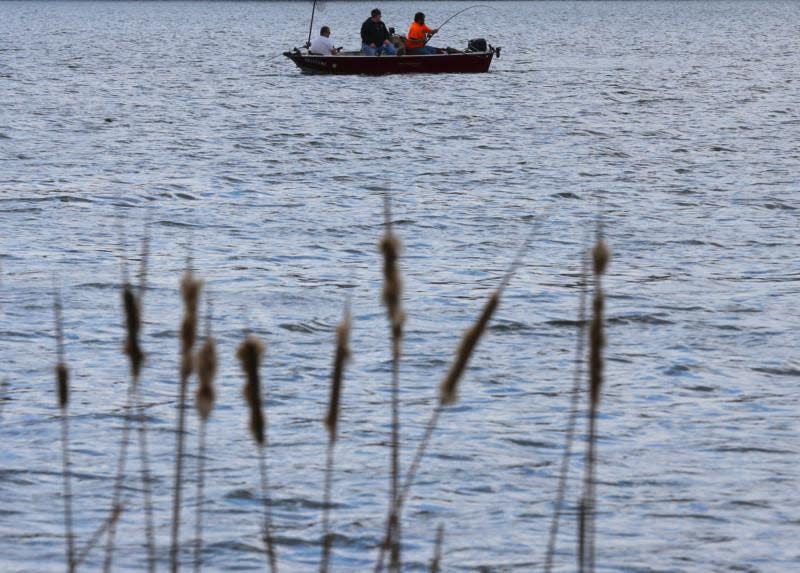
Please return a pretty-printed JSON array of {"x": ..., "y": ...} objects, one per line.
[
  {"x": 137, "y": 360},
  {"x": 206, "y": 365},
  {"x": 249, "y": 354},
  {"x": 341, "y": 357},
  {"x": 586, "y": 547},
  {"x": 390, "y": 247},
  {"x": 272, "y": 556},
  {"x": 132, "y": 305},
  {"x": 95, "y": 537},
  {"x": 569, "y": 438},
  {"x": 62, "y": 392},
  {"x": 447, "y": 395},
  {"x": 448, "y": 391},
  {"x": 190, "y": 292},
  {"x": 436, "y": 562},
  {"x": 119, "y": 479}
]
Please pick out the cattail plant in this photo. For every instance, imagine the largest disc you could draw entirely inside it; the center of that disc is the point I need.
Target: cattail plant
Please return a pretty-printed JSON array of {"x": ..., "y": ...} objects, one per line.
[
  {"x": 580, "y": 344},
  {"x": 392, "y": 299},
  {"x": 190, "y": 292},
  {"x": 62, "y": 391},
  {"x": 448, "y": 391},
  {"x": 132, "y": 309},
  {"x": 249, "y": 354},
  {"x": 132, "y": 302},
  {"x": 206, "y": 365},
  {"x": 600, "y": 258},
  {"x": 436, "y": 562},
  {"x": 341, "y": 356}
]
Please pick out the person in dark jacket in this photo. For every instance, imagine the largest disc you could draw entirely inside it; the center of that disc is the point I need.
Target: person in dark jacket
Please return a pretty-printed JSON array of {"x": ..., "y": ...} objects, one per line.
[{"x": 375, "y": 38}]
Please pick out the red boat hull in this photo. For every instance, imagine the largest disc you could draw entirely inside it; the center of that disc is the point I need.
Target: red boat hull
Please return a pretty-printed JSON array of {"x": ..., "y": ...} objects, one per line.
[{"x": 345, "y": 64}]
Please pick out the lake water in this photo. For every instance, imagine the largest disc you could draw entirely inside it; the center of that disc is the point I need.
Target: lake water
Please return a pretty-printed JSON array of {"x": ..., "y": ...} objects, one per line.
[{"x": 677, "y": 123}]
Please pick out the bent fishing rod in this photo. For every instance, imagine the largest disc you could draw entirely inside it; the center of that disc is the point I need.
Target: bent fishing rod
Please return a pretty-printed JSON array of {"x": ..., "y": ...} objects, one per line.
[{"x": 456, "y": 14}]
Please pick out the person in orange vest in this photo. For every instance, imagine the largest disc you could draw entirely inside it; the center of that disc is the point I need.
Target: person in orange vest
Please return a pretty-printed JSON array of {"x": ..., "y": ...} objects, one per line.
[{"x": 418, "y": 36}]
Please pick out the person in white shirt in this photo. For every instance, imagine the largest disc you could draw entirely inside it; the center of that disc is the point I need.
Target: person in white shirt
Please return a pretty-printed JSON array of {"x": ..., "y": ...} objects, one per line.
[{"x": 322, "y": 44}]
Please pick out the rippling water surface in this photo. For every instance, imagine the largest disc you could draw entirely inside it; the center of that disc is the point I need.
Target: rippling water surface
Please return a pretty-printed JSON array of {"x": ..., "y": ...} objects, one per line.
[{"x": 677, "y": 121}]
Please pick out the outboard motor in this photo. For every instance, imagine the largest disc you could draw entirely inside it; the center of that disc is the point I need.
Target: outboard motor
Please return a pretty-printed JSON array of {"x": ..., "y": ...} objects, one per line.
[{"x": 476, "y": 45}]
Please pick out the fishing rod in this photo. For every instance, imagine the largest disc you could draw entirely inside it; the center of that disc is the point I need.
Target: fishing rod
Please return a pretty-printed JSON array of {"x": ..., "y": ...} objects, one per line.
[
  {"x": 461, "y": 12},
  {"x": 311, "y": 24},
  {"x": 428, "y": 39}
]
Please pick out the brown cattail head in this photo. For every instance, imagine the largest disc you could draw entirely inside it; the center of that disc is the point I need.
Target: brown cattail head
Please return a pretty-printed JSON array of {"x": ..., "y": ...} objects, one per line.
[
  {"x": 392, "y": 284},
  {"x": 596, "y": 344},
  {"x": 133, "y": 323},
  {"x": 190, "y": 291},
  {"x": 62, "y": 374},
  {"x": 600, "y": 257},
  {"x": 339, "y": 361},
  {"x": 249, "y": 354},
  {"x": 206, "y": 365},
  {"x": 448, "y": 391},
  {"x": 62, "y": 384}
]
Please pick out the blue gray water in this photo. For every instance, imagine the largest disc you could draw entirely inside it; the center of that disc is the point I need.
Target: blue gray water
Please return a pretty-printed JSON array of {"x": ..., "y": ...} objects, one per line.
[{"x": 676, "y": 122}]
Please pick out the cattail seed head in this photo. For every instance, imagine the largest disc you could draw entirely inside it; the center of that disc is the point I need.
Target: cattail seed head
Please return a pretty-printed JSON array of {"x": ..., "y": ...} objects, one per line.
[
  {"x": 62, "y": 384},
  {"x": 596, "y": 345},
  {"x": 448, "y": 390},
  {"x": 190, "y": 291},
  {"x": 392, "y": 283},
  {"x": 249, "y": 354},
  {"x": 341, "y": 358},
  {"x": 133, "y": 322},
  {"x": 206, "y": 365},
  {"x": 600, "y": 256}
]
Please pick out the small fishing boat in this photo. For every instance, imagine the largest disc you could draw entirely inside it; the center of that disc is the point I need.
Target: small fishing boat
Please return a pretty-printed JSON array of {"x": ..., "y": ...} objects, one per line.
[
  {"x": 475, "y": 59},
  {"x": 348, "y": 63}
]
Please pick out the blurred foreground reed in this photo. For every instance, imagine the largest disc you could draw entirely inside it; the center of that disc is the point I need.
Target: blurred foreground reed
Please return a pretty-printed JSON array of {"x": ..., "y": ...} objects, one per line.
[{"x": 250, "y": 353}]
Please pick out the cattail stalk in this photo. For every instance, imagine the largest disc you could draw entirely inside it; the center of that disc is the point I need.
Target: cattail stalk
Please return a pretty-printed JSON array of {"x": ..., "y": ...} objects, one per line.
[
  {"x": 133, "y": 320},
  {"x": 341, "y": 356},
  {"x": 62, "y": 390},
  {"x": 448, "y": 394},
  {"x": 190, "y": 291},
  {"x": 580, "y": 344},
  {"x": 392, "y": 299},
  {"x": 586, "y": 552},
  {"x": 132, "y": 308},
  {"x": 249, "y": 354},
  {"x": 436, "y": 562},
  {"x": 116, "y": 498},
  {"x": 448, "y": 390},
  {"x": 98, "y": 534},
  {"x": 204, "y": 402}
]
